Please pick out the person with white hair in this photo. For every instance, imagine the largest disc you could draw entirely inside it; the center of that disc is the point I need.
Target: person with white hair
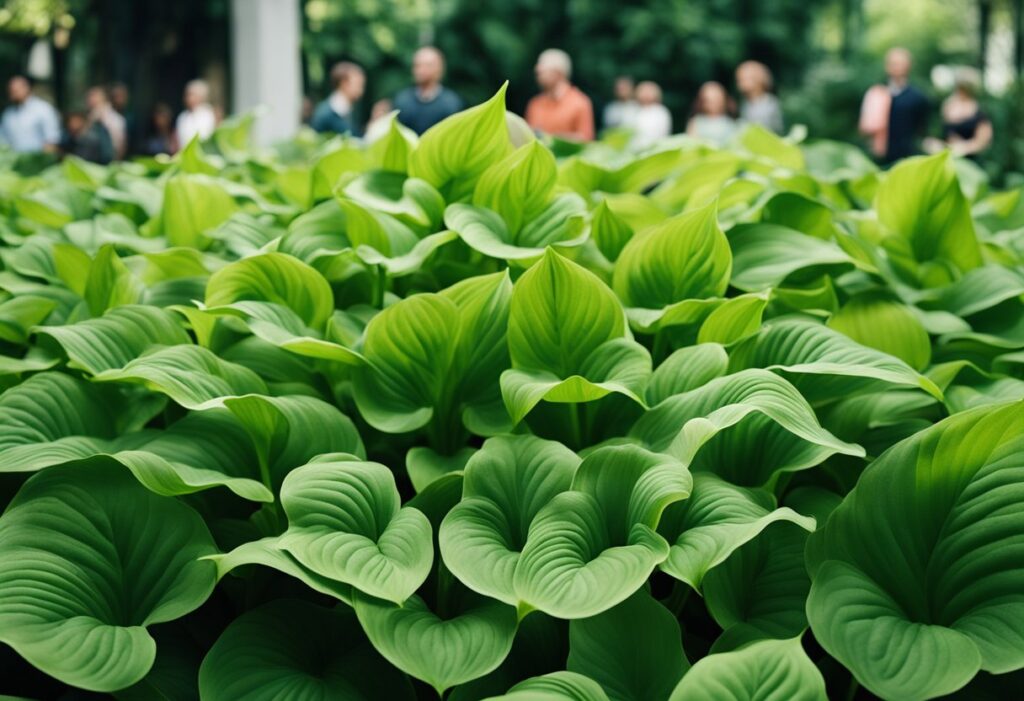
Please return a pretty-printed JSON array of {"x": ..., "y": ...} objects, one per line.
[
  {"x": 561, "y": 109},
  {"x": 198, "y": 118},
  {"x": 651, "y": 121}
]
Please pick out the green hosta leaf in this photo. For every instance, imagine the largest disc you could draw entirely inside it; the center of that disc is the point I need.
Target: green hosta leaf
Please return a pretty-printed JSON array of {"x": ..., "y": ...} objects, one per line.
[
  {"x": 345, "y": 522},
  {"x": 568, "y": 340},
  {"x": 90, "y": 560},
  {"x": 714, "y": 522},
  {"x": 411, "y": 201},
  {"x": 425, "y": 465},
  {"x": 391, "y": 152},
  {"x": 289, "y": 431},
  {"x": 559, "y": 225},
  {"x": 878, "y": 322},
  {"x": 118, "y": 337},
  {"x": 453, "y": 154},
  {"x": 436, "y": 358},
  {"x": 978, "y": 290},
  {"x": 443, "y": 652},
  {"x": 683, "y": 258},
  {"x": 610, "y": 231},
  {"x": 766, "y": 255},
  {"x": 800, "y": 213},
  {"x": 770, "y": 670},
  {"x": 505, "y": 485},
  {"x": 966, "y": 386},
  {"x": 924, "y": 558},
  {"x": 19, "y": 314},
  {"x": 685, "y": 370},
  {"x": 557, "y": 686},
  {"x": 191, "y": 376},
  {"x": 192, "y": 206},
  {"x": 297, "y": 650},
  {"x": 634, "y": 651},
  {"x": 921, "y": 205},
  {"x": 267, "y": 552},
  {"x": 51, "y": 418},
  {"x": 278, "y": 278},
  {"x": 590, "y": 548},
  {"x": 746, "y": 428},
  {"x": 823, "y": 364},
  {"x": 110, "y": 283},
  {"x": 762, "y": 588},
  {"x": 519, "y": 186}
]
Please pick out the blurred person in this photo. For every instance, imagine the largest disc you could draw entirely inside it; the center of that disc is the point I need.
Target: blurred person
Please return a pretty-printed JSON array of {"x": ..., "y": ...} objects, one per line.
[
  {"x": 306, "y": 111},
  {"x": 120, "y": 99},
  {"x": 198, "y": 118},
  {"x": 711, "y": 120},
  {"x": 620, "y": 112},
  {"x": 160, "y": 137},
  {"x": 966, "y": 129},
  {"x": 561, "y": 109},
  {"x": 100, "y": 110},
  {"x": 894, "y": 116},
  {"x": 759, "y": 105},
  {"x": 29, "y": 123},
  {"x": 427, "y": 101},
  {"x": 379, "y": 123},
  {"x": 87, "y": 138},
  {"x": 335, "y": 114},
  {"x": 652, "y": 120}
]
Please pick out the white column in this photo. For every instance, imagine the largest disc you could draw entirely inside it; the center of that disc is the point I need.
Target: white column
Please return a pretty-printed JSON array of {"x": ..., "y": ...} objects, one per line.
[{"x": 265, "y": 65}]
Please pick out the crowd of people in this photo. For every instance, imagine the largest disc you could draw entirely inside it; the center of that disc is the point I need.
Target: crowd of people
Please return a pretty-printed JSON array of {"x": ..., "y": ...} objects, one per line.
[{"x": 894, "y": 115}]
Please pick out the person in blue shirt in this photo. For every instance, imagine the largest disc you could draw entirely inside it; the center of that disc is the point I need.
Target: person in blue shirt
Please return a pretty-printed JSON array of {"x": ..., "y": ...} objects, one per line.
[
  {"x": 29, "y": 124},
  {"x": 335, "y": 114},
  {"x": 426, "y": 103}
]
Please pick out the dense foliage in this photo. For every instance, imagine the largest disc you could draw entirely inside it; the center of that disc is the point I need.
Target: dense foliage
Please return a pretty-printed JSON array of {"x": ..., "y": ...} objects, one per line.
[{"x": 339, "y": 421}]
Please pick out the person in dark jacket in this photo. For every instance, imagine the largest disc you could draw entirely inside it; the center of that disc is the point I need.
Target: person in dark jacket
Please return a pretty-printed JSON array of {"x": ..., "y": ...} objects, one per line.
[
  {"x": 87, "y": 138},
  {"x": 426, "y": 103},
  {"x": 335, "y": 114},
  {"x": 895, "y": 116}
]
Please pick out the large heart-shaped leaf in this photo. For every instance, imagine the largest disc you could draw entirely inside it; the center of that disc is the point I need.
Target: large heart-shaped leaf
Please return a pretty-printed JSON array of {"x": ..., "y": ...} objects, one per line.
[
  {"x": 592, "y": 547},
  {"x": 924, "y": 558},
  {"x": 769, "y": 670},
  {"x": 345, "y": 522},
  {"x": 634, "y": 651},
  {"x": 747, "y": 428},
  {"x": 91, "y": 559},
  {"x": 296, "y": 650},
  {"x": 505, "y": 485}
]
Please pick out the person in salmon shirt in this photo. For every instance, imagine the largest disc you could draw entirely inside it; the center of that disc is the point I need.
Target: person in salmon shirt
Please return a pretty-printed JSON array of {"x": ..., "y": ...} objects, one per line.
[{"x": 561, "y": 109}]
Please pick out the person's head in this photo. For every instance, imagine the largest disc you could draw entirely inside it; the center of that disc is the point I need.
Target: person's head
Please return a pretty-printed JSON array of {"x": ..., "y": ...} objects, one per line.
[
  {"x": 118, "y": 96},
  {"x": 623, "y": 88},
  {"x": 18, "y": 89},
  {"x": 348, "y": 79},
  {"x": 380, "y": 109},
  {"x": 427, "y": 66},
  {"x": 967, "y": 82},
  {"x": 162, "y": 118},
  {"x": 712, "y": 100},
  {"x": 95, "y": 97},
  {"x": 753, "y": 78},
  {"x": 197, "y": 93},
  {"x": 897, "y": 64},
  {"x": 553, "y": 68},
  {"x": 648, "y": 93},
  {"x": 75, "y": 123}
]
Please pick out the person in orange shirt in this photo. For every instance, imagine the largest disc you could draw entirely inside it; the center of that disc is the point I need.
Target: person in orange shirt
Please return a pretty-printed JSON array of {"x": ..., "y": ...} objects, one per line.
[{"x": 561, "y": 109}]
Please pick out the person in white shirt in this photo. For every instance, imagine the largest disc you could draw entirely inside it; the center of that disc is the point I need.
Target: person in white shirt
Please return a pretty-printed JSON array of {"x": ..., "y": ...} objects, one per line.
[
  {"x": 198, "y": 118},
  {"x": 100, "y": 110},
  {"x": 620, "y": 113},
  {"x": 652, "y": 121},
  {"x": 29, "y": 124}
]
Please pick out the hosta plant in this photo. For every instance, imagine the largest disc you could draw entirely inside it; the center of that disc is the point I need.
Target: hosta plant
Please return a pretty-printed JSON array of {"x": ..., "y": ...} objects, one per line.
[{"x": 455, "y": 417}]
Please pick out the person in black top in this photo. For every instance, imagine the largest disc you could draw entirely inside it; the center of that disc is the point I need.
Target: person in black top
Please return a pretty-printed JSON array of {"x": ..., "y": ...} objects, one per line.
[
  {"x": 426, "y": 103},
  {"x": 87, "y": 138},
  {"x": 966, "y": 129},
  {"x": 908, "y": 111}
]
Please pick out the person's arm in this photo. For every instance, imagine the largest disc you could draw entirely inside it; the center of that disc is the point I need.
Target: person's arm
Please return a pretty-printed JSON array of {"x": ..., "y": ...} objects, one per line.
[
  {"x": 50, "y": 125},
  {"x": 585, "y": 123},
  {"x": 981, "y": 140}
]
